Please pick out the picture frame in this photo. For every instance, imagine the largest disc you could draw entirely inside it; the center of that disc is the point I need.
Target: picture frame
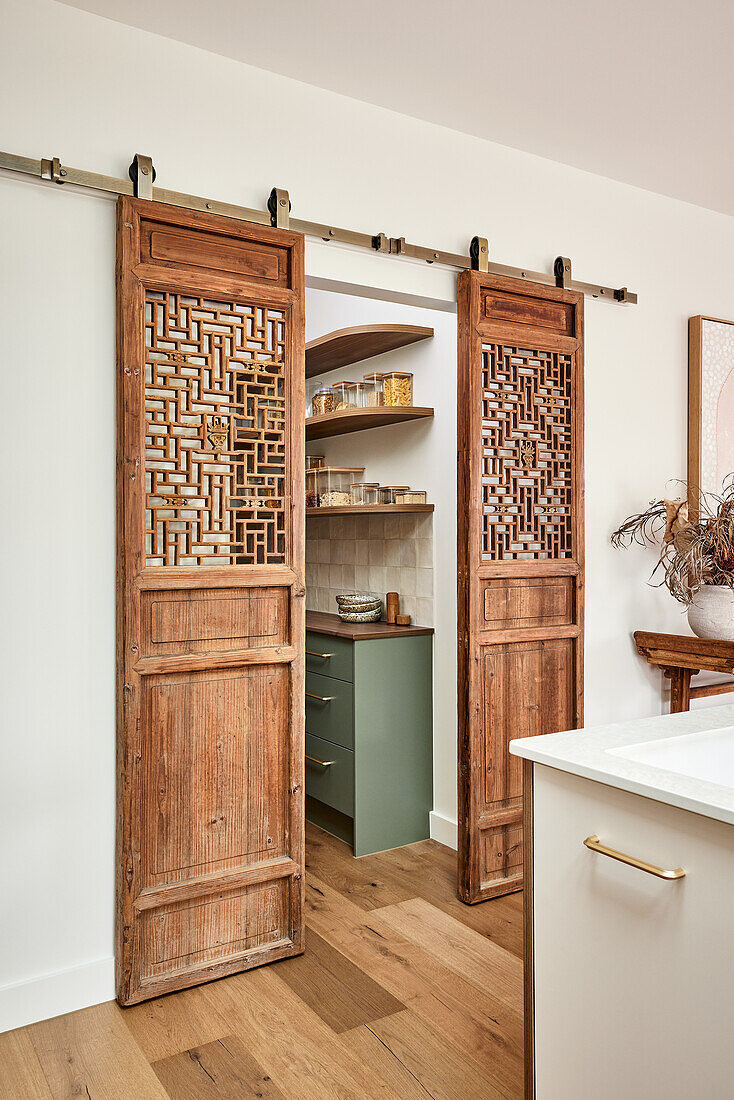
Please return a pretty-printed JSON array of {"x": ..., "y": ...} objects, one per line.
[{"x": 710, "y": 406}]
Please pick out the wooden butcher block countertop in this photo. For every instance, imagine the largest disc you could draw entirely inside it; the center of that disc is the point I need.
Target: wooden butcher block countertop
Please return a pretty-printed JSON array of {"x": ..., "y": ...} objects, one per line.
[{"x": 324, "y": 623}]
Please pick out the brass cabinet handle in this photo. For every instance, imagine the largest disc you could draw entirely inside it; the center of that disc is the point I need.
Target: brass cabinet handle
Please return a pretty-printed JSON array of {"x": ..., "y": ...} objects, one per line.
[
  {"x": 321, "y": 698},
  {"x": 595, "y": 845},
  {"x": 321, "y": 763},
  {"x": 313, "y": 653}
]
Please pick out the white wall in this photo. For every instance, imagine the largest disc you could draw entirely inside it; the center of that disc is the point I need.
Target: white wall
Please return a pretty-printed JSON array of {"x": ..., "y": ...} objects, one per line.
[
  {"x": 57, "y": 810},
  {"x": 94, "y": 92}
]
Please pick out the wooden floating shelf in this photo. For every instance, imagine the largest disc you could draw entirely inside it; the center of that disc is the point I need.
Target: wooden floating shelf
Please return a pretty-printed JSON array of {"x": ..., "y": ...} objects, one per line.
[
  {"x": 358, "y": 420},
  {"x": 351, "y": 345},
  {"x": 368, "y": 509}
]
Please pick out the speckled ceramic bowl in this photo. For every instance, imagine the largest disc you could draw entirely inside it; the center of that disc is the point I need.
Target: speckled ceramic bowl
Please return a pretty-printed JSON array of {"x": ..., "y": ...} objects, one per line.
[
  {"x": 359, "y": 607},
  {"x": 373, "y": 616},
  {"x": 358, "y": 601}
]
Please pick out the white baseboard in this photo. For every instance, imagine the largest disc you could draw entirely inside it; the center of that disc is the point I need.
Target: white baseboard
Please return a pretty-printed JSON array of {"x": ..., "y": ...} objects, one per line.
[
  {"x": 81, "y": 986},
  {"x": 444, "y": 830},
  {"x": 55, "y": 994}
]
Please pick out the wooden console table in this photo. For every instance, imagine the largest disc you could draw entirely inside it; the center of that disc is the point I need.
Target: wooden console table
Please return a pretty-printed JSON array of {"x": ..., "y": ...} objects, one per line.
[{"x": 681, "y": 657}]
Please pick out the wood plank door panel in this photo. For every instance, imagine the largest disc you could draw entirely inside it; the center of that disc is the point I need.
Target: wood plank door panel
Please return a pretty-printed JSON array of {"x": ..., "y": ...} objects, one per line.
[
  {"x": 520, "y": 553},
  {"x": 210, "y": 597}
]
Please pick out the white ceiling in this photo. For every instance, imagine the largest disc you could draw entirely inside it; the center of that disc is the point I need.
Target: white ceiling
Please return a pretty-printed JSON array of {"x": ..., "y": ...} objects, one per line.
[{"x": 638, "y": 90}]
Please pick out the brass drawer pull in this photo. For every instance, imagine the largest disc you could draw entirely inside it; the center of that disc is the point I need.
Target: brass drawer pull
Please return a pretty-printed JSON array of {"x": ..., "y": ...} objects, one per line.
[
  {"x": 595, "y": 845},
  {"x": 323, "y": 656},
  {"x": 321, "y": 698},
  {"x": 321, "y": 763}
]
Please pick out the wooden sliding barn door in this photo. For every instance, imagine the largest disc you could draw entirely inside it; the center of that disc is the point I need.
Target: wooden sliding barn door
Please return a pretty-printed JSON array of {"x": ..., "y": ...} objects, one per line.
[
  {"x": 520, "y": 553},
  {"x": 210, "y": 597}
]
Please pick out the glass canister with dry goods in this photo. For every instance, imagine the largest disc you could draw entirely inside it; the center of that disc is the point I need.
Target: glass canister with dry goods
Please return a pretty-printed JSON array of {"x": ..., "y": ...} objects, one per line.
[
  {"x": 372, "y": 494},
  {"x": 397, "y": 388},
  {"x": 359, "y": 393},
  {"x": 411, "y": 496},
  {"x": 360, "y": 489},
  {"x": 312, "y": 492},
  {"x": 345, "y": 396},
  {"x": 324, "y": 401},
  {"x": 388, "y": 493},
  {"x": 312, "y": 385},
  {"x": 333, "y": 484},
  {"x": 374, "y": 394},
  {"x": 313, "y": 462}
]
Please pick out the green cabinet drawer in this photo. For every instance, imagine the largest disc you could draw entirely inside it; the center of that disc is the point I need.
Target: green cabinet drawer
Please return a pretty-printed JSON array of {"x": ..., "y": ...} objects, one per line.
[
  {"x": 330, "y": 774},
  {"x": 329, "y": 656},
  {"x": 329, "y": 709}
]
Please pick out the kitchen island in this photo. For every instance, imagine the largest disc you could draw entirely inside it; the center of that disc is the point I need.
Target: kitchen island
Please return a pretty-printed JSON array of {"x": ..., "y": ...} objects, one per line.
[{"x": 629, "y": 872}]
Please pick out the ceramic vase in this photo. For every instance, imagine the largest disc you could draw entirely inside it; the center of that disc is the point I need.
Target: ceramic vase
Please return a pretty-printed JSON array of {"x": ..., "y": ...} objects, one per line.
[{"x": 711, "y": 615}]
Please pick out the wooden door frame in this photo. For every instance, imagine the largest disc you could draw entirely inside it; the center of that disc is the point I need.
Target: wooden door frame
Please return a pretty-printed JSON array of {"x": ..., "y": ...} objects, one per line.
[
  {"x": 134, "y": 277},
  {"x": 472, "y": 330}
]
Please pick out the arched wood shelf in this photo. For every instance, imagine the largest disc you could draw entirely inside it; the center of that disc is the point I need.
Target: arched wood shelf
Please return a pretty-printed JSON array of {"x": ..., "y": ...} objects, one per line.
[
  {"x": 352, "y": 345},
  {"x": 357, "y": 420}
]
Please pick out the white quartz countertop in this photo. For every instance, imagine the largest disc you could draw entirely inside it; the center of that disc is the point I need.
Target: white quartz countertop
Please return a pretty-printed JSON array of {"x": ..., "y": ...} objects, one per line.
[{"x": 598, "y": 753}]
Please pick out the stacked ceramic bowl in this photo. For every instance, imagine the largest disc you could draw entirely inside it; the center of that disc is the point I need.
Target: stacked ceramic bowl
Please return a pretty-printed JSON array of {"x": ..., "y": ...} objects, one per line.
[{"x": 359, "y": 607}]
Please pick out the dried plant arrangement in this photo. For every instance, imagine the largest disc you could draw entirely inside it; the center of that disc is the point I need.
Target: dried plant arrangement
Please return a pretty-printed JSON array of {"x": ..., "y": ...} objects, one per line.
[{"x": 692, "y": 553}]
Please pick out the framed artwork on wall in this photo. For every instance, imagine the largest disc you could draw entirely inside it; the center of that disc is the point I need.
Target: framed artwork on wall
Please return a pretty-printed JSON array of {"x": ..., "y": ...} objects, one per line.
[{"x": 710, "y": 405}]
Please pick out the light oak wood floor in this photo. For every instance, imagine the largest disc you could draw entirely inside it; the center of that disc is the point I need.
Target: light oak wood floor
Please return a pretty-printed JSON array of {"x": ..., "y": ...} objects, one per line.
[{"x": 403, "y": 992}]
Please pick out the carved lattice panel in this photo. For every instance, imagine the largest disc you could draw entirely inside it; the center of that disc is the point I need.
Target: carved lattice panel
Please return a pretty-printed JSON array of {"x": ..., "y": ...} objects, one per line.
[
  {"x": 526, "y": 453},
  {"x": 215, "y": 432}
]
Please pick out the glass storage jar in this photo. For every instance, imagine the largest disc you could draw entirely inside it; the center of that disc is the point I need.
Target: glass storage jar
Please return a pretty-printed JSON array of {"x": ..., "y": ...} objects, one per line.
[
  {"x": 312, "y": 385},
  {"x": 374, "y": 396},
  {"x": 358, "y": 394},
  {"x": 333, "y": 485},
  {"x": 359, "y": 489},
  {"x": 345, "y": 397},
  {"x": 388, "y": 493},
  {"x": 411, "y": 496},
  {"x": 397, "y": 388},
  {"x": 312, "y": 490},
  {"x": 323, "y": 401},
  {"x": 372, "y": 494},
  {"x": 313, "y": 462}
]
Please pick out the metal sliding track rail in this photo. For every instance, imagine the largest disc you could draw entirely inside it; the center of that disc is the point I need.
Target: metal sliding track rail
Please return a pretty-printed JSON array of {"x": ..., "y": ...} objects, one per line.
[{"x": 141, "y": 184}]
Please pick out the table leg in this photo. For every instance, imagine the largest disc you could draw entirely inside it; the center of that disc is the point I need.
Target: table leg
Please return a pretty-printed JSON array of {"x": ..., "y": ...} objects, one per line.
[{"x": 680, "y": 689}]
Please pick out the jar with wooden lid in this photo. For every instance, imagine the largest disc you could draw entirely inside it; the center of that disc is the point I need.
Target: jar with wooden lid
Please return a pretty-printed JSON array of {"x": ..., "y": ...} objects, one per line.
[
  {"x": 397, "y": 388},
  {"x": 334, "y": 483},
  {"x": 345, "y": 396},
  {"x": 375, "y": 396},
  {"x": 358, "y": 394},
  {"x": 411, "y": 496},
  {"x": 372, "y": 494},
  {"x": 388, "y": 493},
  {"x": 324, "y": 401},
  {"x": 359, "y": 489},
  {"x": 314, "y": 462}
]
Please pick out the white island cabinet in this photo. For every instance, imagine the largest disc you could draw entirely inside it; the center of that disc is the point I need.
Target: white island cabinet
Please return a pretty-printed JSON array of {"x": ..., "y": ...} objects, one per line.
[{"x": 630, "y": 965}]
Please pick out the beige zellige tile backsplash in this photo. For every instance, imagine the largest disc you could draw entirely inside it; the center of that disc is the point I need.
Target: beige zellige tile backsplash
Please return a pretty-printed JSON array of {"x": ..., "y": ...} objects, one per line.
[{"x": 392, "y": 553}]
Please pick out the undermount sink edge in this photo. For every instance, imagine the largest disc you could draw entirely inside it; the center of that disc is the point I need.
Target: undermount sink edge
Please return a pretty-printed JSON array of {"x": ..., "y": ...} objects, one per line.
[{"x": 706, "y": 754}]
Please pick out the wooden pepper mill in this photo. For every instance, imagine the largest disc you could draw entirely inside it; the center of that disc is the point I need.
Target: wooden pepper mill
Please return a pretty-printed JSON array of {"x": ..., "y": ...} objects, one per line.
[{"x": 392, "y": 612}]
